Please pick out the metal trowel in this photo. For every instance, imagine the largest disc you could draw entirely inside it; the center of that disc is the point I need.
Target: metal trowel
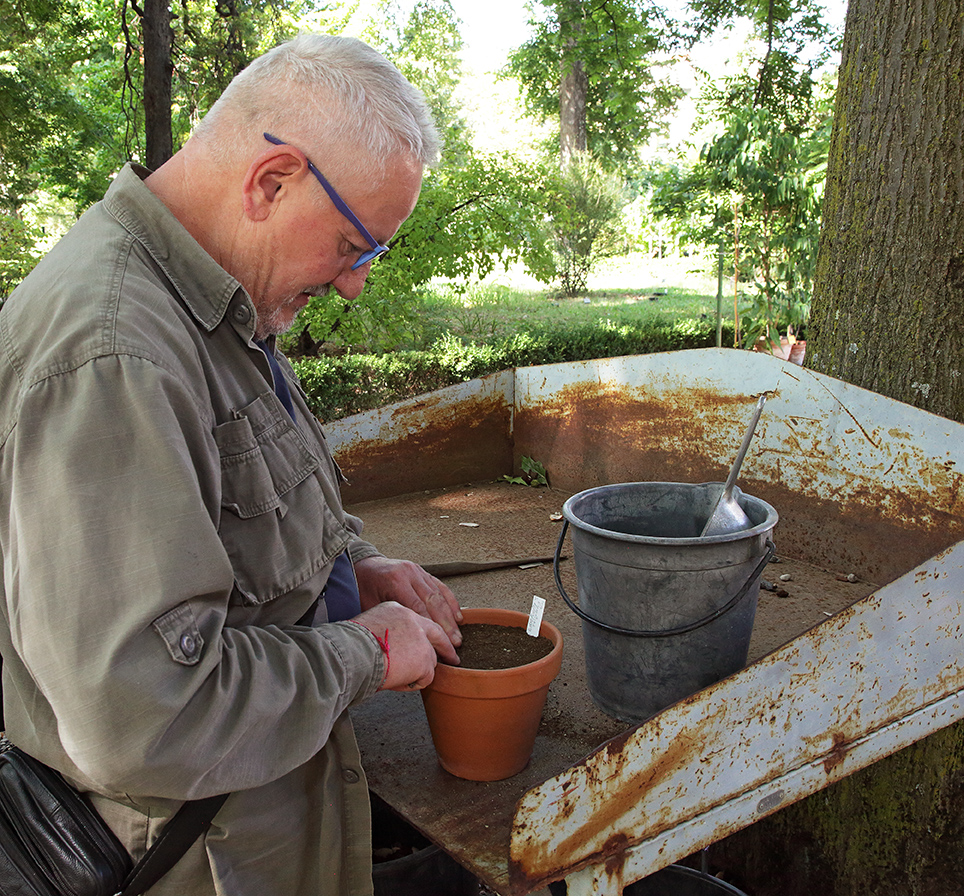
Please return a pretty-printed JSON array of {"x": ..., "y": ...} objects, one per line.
[{"x": 728, "y": 516}]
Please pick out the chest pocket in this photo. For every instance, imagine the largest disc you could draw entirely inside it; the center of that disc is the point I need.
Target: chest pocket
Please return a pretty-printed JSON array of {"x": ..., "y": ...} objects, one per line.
[{"x": 277, "y": 523}]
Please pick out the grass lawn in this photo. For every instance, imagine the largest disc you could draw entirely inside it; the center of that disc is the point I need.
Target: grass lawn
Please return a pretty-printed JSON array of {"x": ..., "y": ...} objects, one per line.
[
  {"x": 633, "y": 306},
  {"x": 630, "y": 288}
]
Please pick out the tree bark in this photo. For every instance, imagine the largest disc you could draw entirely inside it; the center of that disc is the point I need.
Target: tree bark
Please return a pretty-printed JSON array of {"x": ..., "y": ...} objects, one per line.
[
  {"x": 888, "y": 315},
  {"x": 572, "y": 110},
  {"x": 573, "y": 85},
  {"x": 888, "y": 307},
  {"x": 158, "y": 70}
]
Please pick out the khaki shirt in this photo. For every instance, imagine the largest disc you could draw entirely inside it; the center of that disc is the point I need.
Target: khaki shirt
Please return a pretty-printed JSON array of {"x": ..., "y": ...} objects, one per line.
[{"x": 163, "y": 523}]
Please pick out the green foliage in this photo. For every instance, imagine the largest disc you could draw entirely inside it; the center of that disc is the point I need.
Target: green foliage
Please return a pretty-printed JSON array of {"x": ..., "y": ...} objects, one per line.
[
  {"x": 469, "y": 218},
  {"x": 426, "y": 48},
  {"x": 796, "y": 26},
  {"x": 533, "y": 474},
  {"x": 213, "y": 41},
  {"x": 64, "y": 88},
  {"x": 488, "y": 312},
  {"x": 474, "y": 212},
  {"x": 17, "y": 253},
  {"x": 760, "y": 164},
  {"x": 757, "y": 188},
  {"x": 584, "y": 203},
  {"x": 339, "y": 387},
  {"x": 677, "y": 195},
  {"x": 617, "y": 42},
  {"x": 57, "y": 123},
  {"x": 71, "y": 110}
]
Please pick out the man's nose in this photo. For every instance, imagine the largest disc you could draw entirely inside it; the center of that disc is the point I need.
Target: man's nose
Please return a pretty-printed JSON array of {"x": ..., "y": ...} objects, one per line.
[{"x": 349, "y": 284}]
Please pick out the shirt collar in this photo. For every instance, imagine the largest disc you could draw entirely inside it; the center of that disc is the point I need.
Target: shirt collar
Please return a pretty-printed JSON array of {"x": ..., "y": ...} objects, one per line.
[{"x": 205, "y": 287}]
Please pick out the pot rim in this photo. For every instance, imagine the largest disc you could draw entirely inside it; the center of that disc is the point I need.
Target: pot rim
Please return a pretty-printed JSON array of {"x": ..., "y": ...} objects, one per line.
[{"x": 540, "y": 671}]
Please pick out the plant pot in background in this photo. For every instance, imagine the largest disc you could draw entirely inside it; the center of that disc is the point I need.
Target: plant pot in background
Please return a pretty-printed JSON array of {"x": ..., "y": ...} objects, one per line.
[
  {"x": 674, "y": 880},
  {"x": 405, "y": 863},
  {"x": 790, "y": 348},
  {"x": 484, "y": 721}
]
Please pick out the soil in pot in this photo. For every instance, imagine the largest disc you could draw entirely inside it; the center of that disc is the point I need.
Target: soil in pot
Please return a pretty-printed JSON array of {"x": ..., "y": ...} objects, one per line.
[{"x": 489, "y": 646}]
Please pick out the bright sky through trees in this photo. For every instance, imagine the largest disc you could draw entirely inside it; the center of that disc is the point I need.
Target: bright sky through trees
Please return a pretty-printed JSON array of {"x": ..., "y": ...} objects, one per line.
[
  {"x": 493, "y": 27},
  {"x": 490, "y": 29}
]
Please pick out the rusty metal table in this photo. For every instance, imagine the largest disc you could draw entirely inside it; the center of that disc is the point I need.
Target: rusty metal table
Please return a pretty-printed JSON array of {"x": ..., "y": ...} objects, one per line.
[
  {"x": 472, "y": 821},
  {"x": 864, "y": 485}
]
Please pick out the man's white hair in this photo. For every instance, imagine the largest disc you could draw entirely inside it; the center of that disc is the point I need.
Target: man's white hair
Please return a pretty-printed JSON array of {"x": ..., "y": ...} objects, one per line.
[{"x": 330, "y": 96}]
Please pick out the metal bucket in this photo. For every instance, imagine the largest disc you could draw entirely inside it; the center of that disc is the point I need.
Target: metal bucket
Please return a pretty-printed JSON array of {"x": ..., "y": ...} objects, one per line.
[{"x": 665, "y": 612}]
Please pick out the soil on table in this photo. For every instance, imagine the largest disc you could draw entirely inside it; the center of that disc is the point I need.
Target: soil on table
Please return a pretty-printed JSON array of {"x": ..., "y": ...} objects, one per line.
[
  {"x": 489, "y": 646},
  {"x": 495, "y": 520}
]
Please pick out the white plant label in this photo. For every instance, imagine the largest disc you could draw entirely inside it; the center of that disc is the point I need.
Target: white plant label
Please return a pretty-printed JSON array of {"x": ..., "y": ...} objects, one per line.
[{"x": 535, "y": 615}]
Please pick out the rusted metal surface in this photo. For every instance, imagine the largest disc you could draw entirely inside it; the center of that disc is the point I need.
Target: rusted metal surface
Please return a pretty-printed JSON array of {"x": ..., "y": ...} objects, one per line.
[
  {"x": 605, "y": 879},
  {"x": 875, "y": 678},
  {"x": 870, "y": 477},
  {"x": 863, "y": 484},
  {"x": 459, "y": 434},
  {"x": 471, "y": 820}
]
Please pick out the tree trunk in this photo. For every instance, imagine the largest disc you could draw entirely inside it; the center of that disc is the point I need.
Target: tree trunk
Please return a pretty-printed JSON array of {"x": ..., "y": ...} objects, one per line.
[
  {"x": 888, "y": 308},
  {"x": 573, "y": 85},
  {"x": 158, "y": 70},
  {"x": 888, "y": 315},
  {"x": 572, "y": 110}
]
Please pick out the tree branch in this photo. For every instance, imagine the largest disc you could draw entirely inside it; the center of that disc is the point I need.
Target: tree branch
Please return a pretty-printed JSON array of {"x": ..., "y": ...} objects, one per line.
[
  {"x": 762, "y": 84},
  {"x": 128, "y": 87}
]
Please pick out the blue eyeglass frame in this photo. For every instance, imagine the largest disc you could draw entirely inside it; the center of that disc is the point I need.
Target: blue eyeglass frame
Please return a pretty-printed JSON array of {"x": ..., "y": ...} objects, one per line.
[{"x": 376, "y": 248}]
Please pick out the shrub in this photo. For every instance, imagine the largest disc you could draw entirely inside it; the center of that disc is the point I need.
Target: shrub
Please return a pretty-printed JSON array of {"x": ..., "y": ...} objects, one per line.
[
  {"x": 18, "y": 253},
  {"x": 339, "y": 387}
]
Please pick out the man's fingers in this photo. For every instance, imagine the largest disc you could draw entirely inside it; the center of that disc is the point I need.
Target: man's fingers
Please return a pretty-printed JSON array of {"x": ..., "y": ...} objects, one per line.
[
  {"x": 381, "y": 579},
  {"x": 439, "y": 609},
  {"x": 442, "y": 642},
  {"x": 451, "y": 600},
  {"x": 415, "y": 644}
]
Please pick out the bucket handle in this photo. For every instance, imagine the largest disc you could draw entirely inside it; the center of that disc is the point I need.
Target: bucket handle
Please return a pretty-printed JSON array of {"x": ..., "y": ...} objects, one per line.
[{"x": 683, "y": 629}]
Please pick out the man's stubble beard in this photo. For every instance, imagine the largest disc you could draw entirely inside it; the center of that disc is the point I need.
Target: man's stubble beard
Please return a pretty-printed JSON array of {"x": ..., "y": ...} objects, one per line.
[{"x": 276, "y": 322}]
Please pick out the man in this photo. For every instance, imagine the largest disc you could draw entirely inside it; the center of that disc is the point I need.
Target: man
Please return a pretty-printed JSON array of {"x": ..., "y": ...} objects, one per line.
[{"x": 170, "y": 512}]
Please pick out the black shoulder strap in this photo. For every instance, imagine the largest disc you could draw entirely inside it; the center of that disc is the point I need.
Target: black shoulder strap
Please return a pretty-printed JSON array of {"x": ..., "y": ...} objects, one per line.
[{"x": 188, "y": 823}]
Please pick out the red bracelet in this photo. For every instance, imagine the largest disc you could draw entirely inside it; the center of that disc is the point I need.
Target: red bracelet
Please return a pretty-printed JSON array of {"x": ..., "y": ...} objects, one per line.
[{"x": 383, "y": 643}]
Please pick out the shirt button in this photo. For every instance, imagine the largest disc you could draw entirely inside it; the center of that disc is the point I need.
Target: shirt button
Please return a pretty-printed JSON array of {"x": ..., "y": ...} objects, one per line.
[
  {"x": 188, "y": 645},
  {"x": 350, "y": 776},
  {"x": 242, "y": 313}
]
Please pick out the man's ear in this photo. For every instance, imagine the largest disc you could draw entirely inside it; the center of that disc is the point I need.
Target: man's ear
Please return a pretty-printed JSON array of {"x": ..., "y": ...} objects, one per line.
[{"x": 269, "y": 178}]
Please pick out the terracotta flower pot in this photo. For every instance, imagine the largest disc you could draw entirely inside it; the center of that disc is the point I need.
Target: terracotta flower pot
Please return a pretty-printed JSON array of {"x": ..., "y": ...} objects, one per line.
[{"x": 484, "y": 721}]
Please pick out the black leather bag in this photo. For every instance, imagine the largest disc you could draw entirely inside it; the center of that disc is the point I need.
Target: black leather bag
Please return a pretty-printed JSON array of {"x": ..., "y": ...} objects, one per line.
[{"x": 53, "y": 842}]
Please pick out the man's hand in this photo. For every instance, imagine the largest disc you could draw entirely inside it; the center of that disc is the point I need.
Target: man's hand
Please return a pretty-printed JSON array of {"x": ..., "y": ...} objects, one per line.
[
  {"x": 413, "y": 644},
  {"x": 381, "y": 579}
]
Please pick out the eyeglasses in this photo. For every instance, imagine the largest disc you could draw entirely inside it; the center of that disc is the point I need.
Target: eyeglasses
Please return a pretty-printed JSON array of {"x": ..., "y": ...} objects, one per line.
[{"x": 341, "y": 205}]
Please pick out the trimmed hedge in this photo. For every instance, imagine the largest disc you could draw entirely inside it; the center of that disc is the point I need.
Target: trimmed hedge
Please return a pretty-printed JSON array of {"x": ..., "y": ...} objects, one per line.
[{"x": 341, "y": 386}]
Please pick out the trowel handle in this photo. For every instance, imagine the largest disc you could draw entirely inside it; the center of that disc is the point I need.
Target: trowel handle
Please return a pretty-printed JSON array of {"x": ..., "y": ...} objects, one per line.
[{"x": 747, "y": 438}]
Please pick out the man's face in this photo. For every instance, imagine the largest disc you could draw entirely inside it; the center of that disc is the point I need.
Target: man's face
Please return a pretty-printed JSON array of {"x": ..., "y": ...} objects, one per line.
[{"x": 313, "y": 245}]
